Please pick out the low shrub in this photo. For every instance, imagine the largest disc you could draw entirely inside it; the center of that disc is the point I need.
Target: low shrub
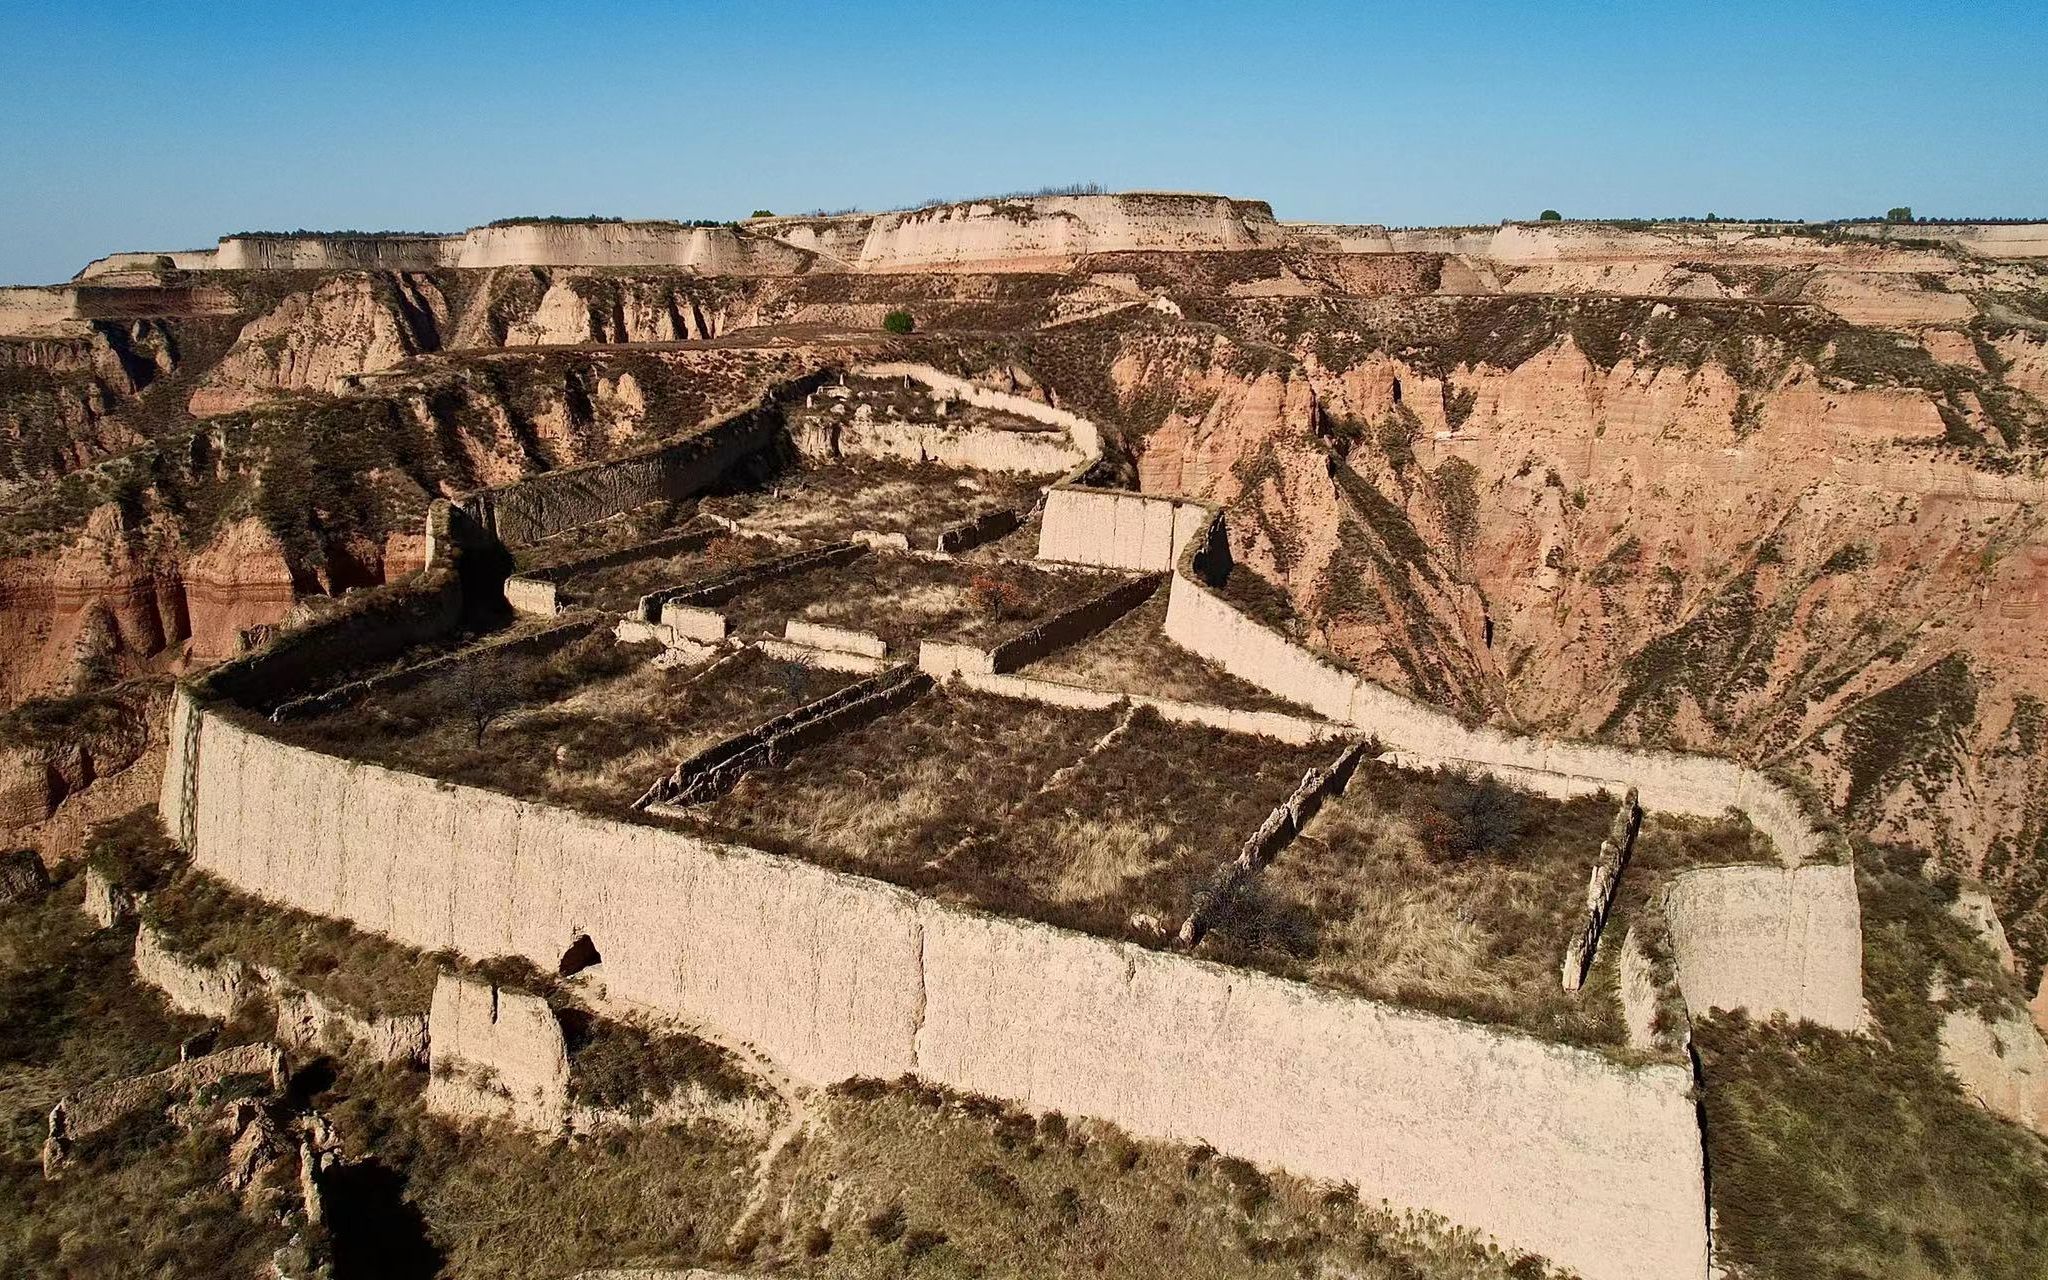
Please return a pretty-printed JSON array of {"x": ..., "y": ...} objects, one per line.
[{"x": 898, "y": 321}]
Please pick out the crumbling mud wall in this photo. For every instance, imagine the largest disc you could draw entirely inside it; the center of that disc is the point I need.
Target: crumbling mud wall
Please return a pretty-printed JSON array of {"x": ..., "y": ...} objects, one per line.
[
  {"x": 305, "y": 1020},
  {"x": 957, "y": 662},
  {"x": 1551, "y": 1149},
  {"x": 1770, "y": 940},
  {"x": 818, "y": 965},
  {"x": 1085, "y": 435},
  {"x": 1258, "y": 851},
  {"x": 1601, "y": 885},
  {"x": 496, "y": 1054},
  {"x": 979, "y": 448},
  {"x": 211, "y": 991},
  {"x": 713, "y": 771},
  {"x": 537, "y": 592},
  {"x": 556, "y": 501}
]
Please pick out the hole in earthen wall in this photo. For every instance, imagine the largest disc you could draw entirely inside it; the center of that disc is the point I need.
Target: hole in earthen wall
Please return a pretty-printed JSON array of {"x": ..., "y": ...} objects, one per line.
[
  {"x": 581, "y": 954},
  {"x": 1397, "y": 391}
]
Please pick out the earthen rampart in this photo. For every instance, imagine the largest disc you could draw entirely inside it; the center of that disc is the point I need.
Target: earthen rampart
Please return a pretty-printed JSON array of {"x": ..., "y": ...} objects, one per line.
[
  {"x": 1115, "y": 529},
  {"x": 1072, "y": 625},
  {"x": 1551, "y": 1149},
  {"x": 526, "y": 644},
  {"x": 101, "y": 1106},
  {"x": 305, "y": 1020},
  {"x": 556, "y": 501},
  {"x": 944, "y": 662},
  {"x": 1203, "y": 622},
  {"x": 705, "y": 593},
  {"x": 536, "y": 592}
]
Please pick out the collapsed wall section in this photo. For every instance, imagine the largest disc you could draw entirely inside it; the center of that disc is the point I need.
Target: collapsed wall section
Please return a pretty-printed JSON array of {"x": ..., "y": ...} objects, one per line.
[
  {"x": 494, "y": 1053},
  {"x": 1551, "y": 1149},
  {"x": 1770, "y": 940}
]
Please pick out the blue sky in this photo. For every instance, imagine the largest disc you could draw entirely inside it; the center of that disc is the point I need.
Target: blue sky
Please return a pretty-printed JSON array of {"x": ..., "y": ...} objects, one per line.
[{"x": 131, "y": 126}]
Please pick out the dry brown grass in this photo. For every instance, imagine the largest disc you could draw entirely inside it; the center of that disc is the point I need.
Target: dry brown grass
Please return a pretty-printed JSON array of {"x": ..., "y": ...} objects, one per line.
[
  {"x": 1051, "y": 815},
  {"x": 905, "y": 599},
  {"x": 823, "y": 504},
  {"x": 907, "y": 1179},
  {"x": 1385, "y": 916},
  {"x": 617, "y": 588},
  {"x": 1133, "y": 655},
  {"x": 590, "y": 726},
  {"x": 1363, "y": 903},
  {"x": 643, "y": 523}
]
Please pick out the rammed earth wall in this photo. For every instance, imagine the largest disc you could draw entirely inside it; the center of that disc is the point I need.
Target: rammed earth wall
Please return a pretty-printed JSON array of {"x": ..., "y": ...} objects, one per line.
[
  {"x": 1774, "y": 949},
  {"x": 1204, "y": 623},
  {"x": 1554, "y": 1150},
  {"x": 556, "y": 501},
  {"x": 1770, "y": 938}
]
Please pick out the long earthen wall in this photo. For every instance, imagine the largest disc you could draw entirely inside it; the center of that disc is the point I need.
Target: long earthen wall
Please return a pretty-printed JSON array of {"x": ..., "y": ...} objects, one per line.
[
  {"x": 1553, "y": 1150},
  {"x": 556, "y": 501}
]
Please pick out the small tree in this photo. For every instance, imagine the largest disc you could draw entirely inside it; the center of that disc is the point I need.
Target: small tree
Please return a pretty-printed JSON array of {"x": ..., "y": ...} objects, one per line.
[
  {"x": 481, "y": 691},
  {"x": 1550, "y": 215},
  {"x": 762, "y": 213},
  {"x": 1904, "y": 213},
  {"x": 898, "y": 321},
  {"x": 998, "y": 596},
  {"x": 1471, "y": 815}
]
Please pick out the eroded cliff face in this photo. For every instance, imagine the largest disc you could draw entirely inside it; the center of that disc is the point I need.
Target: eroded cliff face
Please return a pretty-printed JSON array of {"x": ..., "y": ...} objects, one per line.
[
  {"x": 315, "y": 341},
  {"x": 1743, "y": 530}
]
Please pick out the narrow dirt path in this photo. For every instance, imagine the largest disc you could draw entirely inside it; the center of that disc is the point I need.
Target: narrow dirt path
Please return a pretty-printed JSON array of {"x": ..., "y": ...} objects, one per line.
[{"x": 794, "y": 1098}]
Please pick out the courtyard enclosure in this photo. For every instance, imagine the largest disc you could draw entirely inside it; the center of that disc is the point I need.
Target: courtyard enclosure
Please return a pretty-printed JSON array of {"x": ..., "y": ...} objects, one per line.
[
  {"x": 1562, "y": 1151},
  {"x": 1554, "y": 1150}
]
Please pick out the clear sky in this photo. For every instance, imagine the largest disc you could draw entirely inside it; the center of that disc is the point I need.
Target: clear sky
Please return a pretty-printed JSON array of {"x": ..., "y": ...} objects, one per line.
[{"x": 155, "y": 126}]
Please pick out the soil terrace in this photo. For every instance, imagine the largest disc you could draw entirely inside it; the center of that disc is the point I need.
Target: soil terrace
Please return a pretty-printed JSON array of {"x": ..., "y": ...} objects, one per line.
[
  {"x": 821, "y": 504},
  {"x": 1093, "y": 819},
  {"x": 588, "y": 726},
  {"x": 616, "y": 588},
  {"x": 904, "y": 599},
  {"x": 1362, "y": 903},
  {"x": 1133, "y": 655}
]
